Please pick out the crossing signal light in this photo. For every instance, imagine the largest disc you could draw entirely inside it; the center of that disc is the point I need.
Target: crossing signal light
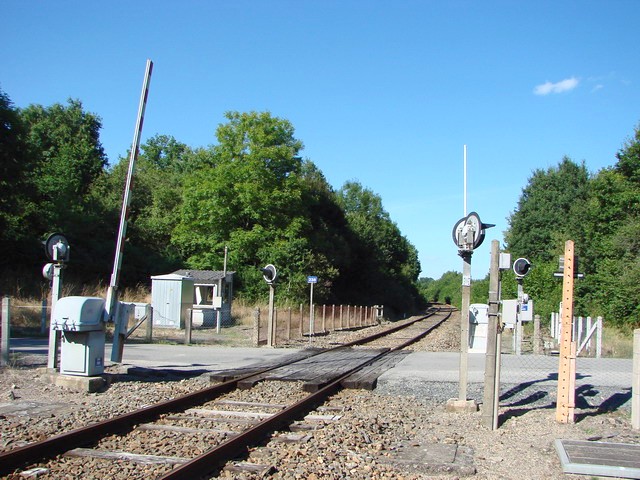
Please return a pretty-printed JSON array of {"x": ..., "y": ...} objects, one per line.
[
  {"x": 521, "y": 267},
  {"x": 269, "y": 274}
]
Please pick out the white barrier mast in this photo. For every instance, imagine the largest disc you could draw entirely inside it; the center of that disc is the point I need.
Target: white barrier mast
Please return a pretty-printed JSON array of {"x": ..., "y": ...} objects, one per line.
[{"x": 112, "y": 292}]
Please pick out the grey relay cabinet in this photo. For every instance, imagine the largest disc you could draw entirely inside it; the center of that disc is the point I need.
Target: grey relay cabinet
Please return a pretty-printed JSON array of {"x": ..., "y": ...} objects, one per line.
[
  {"x": 80, "y": 321},
  {"x": 171, "y": 298}
]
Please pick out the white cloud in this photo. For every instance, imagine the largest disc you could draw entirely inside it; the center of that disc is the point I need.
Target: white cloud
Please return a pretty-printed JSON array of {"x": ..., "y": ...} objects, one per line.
[{"x": 562, "y": 86}]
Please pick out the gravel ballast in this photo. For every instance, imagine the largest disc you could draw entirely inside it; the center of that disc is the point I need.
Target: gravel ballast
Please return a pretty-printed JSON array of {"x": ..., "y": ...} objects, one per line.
[{"x": 398, "y": 431}]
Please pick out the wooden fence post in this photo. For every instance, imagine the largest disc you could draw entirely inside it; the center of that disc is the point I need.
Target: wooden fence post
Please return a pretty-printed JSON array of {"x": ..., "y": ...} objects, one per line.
[
  {"x": 537, "y": 340},
  {"x": 289, "y": 325},
  {"x": 324, "y": 312},
  {"x": 275, "y": 326},
  {"x": 301, "y": 322},
  {"x": 333, "y": 317},
  {"x": 256, "y": 327}
]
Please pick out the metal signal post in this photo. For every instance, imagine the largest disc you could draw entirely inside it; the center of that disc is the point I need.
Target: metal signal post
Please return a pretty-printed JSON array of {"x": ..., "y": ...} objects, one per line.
[
  {"x": 468, "y": 234},
  {"x": 270, "y": 275}
]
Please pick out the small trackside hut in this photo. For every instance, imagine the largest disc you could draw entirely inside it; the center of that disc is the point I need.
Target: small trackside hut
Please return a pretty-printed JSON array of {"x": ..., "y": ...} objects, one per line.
[{"x": 206, "y": 295}]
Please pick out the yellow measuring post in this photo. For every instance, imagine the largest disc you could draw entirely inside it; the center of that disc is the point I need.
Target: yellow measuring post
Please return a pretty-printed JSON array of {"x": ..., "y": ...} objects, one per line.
[{"x": 567, "y": 370}]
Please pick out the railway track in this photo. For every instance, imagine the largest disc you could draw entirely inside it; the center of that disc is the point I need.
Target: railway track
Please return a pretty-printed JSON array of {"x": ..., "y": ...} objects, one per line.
[{"x": 214, "y": 413}]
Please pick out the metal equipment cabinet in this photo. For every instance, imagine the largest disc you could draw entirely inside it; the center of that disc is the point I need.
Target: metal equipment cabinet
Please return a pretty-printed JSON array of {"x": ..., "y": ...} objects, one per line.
[{"x": 171, "y": 298}]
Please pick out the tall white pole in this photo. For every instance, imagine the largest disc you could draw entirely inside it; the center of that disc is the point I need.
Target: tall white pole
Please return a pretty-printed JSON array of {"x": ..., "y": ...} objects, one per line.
[
  {"x": 464, "y": 182},
  {"x": 112, "y": 292},
  {"x": 120, "y": 333}
]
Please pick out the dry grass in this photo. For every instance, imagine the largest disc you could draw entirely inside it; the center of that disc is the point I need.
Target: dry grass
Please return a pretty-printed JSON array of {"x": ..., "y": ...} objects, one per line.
[
  {"x": 27, "y": 311},
  {"x": 616, "y": 343},
  {"x": 243, "y": 313}
]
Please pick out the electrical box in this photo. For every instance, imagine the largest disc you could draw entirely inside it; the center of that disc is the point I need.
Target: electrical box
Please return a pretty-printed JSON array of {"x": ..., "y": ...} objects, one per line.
[
  {"x": 82, "y": 348},
  {"x": 478, "y": 327},
  {"x": 504, "y": 262},
  {"x": 82, "y": 353},
  {"x": 509, "y": 312},
  {"x": 526, "y": 312},
  {"x": 78, "y": 314}
]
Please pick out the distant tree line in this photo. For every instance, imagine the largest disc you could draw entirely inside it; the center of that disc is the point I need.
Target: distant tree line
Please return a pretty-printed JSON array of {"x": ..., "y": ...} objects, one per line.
[
  {"x": 250, "y": 192},
  {"x": 601, "y": 213}
]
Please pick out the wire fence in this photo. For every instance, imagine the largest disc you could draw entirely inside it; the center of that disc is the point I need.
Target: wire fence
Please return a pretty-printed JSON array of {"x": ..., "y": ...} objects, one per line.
[
  {"x": 296, "y": 324},
  {"x": 604, "y": 366},
  {"x": 209, "y": 326}
]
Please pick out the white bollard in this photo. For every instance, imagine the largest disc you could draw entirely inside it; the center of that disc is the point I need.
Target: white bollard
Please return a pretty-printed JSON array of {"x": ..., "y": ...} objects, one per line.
[
  {"x": 635, "y": 389},
  {"x": 599, "y": 338},
  {"x": 6, "y": 330}
]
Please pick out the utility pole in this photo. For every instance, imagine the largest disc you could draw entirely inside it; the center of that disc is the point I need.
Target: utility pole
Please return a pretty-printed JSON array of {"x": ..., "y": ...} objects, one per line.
[
  {"x": 492, "y": 358},
  {"x": 464, "y": 325}
]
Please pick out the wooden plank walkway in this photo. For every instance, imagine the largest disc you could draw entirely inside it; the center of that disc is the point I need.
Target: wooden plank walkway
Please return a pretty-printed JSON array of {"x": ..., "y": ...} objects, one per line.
[
  {"x": 599, "y": 458},
  {"x": 367, "y": 378},
  {"x": 315, "y": 371},
  {"x": 226, "y": 375}
]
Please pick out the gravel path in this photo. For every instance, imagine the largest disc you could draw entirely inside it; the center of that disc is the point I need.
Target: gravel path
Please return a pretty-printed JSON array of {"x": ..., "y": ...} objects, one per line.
[{"x": 399, "y": 433}]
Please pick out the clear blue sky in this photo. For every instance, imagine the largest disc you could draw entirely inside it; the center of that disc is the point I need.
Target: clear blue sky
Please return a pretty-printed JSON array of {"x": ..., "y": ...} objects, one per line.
[{"x": 384, "y": 92}]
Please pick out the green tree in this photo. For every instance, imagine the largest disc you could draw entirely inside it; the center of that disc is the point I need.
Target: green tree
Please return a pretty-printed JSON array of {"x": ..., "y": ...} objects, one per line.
[
  {"x": 447, "y": 289},
  {"x": 68, "y": 157},
  {"x": 612, "y": 267},
  {"x": 67, "y": 161},
  {"x": 384, "y": 263},
  {"x": 549, "y": 211},
  {"x": 16, "y": 207},
  {"x": 255, "y": 197},
  {"x": 156, "y": 199},
  {"x": 53, "y": 157}
]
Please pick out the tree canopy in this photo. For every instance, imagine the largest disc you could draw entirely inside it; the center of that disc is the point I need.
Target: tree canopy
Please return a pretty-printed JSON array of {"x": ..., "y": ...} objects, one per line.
[
  {"x": 600, "y": 213},
  {"x": 251, "y": 192}
]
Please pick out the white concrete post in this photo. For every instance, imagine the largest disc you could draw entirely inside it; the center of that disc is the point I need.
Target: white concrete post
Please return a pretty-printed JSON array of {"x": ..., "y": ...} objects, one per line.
[
  {"x": 6, "y": 332},
  {"x": 599, "y": 338},
  {"x": 579, "y": 331}
]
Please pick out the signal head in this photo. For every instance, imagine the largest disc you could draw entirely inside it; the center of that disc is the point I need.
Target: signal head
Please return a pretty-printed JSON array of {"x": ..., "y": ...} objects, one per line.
[
  {"x": 269, "y": 274},
  {"x": 521, "y": 267}
]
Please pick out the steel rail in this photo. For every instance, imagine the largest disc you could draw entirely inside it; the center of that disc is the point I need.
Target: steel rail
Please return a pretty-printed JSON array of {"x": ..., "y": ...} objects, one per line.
[
  {"x": 211, "y": 461},
  {"x": 90, "y": 434}
]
